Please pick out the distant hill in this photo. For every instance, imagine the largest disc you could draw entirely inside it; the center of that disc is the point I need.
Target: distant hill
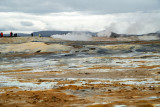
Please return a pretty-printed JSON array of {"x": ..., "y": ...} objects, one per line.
[
  {"x": 49, "y": 33},
  {"x": 115, "y": 35},
  {"x": 94, "y": 34}
]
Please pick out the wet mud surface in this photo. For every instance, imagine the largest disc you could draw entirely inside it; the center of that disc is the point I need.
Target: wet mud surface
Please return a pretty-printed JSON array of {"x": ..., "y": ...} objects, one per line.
[{"x": 102, "y": 74}]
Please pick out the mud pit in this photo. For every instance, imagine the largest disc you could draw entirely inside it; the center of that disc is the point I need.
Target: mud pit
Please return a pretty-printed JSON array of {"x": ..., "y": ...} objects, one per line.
[{"x": 91, "y": 74}]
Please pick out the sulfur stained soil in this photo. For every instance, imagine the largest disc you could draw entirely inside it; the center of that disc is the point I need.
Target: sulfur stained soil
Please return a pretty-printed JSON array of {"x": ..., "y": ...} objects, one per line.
[{"x": 106, "y": 74}]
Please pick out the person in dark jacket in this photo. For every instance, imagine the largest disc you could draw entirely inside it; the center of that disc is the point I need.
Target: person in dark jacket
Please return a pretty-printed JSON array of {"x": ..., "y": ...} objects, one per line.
[
  {"x": 15, "y": 35},
  {"x": 11, "y": 34},
  {"x": 32, "y": 34}
]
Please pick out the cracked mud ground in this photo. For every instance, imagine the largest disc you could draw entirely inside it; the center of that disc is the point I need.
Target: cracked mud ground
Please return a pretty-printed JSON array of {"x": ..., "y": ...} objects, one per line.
[{"x": 91, "y": 74}]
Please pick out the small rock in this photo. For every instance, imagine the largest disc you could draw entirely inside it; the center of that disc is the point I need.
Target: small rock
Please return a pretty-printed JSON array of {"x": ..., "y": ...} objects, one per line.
[
  {"x": 134, "y": 88},
  {"x": 83, "y": 90},
  {"x": 55, "y": 99},
  {"x": 38, "y": 51},
  {"x": 109, "y": 90},
  {"x": 87, "y": 73},
  {"x": 92, "y": 88}
]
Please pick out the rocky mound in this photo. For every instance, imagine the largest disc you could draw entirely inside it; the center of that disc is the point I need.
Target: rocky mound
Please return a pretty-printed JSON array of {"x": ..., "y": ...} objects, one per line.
[
  {"x": 15, "y": 40},
  {"x": 32, "y": 47}
]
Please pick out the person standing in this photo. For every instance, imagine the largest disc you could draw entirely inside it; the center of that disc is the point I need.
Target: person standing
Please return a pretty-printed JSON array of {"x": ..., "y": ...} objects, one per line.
[
  {"x": 11, "y": 34},
  {"x": 15, "y": 35},
  {"x": 39, "y": 35},
  {"x": 32, "y": 34},
  {"x": 1, "y": 34}
]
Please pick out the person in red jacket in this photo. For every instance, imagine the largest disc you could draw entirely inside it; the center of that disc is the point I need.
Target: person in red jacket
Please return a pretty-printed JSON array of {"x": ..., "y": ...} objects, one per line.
[{"x": 1, "y": 34}]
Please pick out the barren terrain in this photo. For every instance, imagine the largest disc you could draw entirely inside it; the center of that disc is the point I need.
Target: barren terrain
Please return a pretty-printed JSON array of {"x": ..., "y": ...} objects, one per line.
[{"x": 56, "y": 73}]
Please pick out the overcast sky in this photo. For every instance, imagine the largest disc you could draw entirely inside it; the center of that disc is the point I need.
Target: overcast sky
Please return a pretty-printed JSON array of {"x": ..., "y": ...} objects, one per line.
[{"x": 121, "y": 16}]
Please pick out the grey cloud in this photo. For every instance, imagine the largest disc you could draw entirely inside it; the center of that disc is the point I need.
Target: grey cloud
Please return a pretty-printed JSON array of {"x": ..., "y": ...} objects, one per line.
[
  {"x": 26, "y": 23},
  {"x": 6, "y": 28},
  {"x": 32, "y": 6},
  {"x": 3, "y": 29},
  {"x": 130, "y": 23},
  {"x": 93, "y": 6},
  {"x": 114, "y": 6}
]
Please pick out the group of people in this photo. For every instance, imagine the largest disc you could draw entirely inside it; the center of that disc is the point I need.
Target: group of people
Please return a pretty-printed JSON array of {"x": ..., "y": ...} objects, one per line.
[
  {"x": 11, "y": 34},
  {"x": 15, "y": 35}
]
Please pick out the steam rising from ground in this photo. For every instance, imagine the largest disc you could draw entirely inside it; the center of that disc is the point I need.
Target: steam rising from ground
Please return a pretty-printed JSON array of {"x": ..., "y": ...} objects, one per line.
[
  {"x": 74, "y": 36},
  {"x": 133, "y": 23}
]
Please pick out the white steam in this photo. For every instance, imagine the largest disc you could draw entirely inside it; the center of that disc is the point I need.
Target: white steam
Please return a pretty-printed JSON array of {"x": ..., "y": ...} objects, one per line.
[
  {"x": 74, "y": 36},
  {"x": 132, "y": 23},
  {"x": 107, "y": 32}
]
